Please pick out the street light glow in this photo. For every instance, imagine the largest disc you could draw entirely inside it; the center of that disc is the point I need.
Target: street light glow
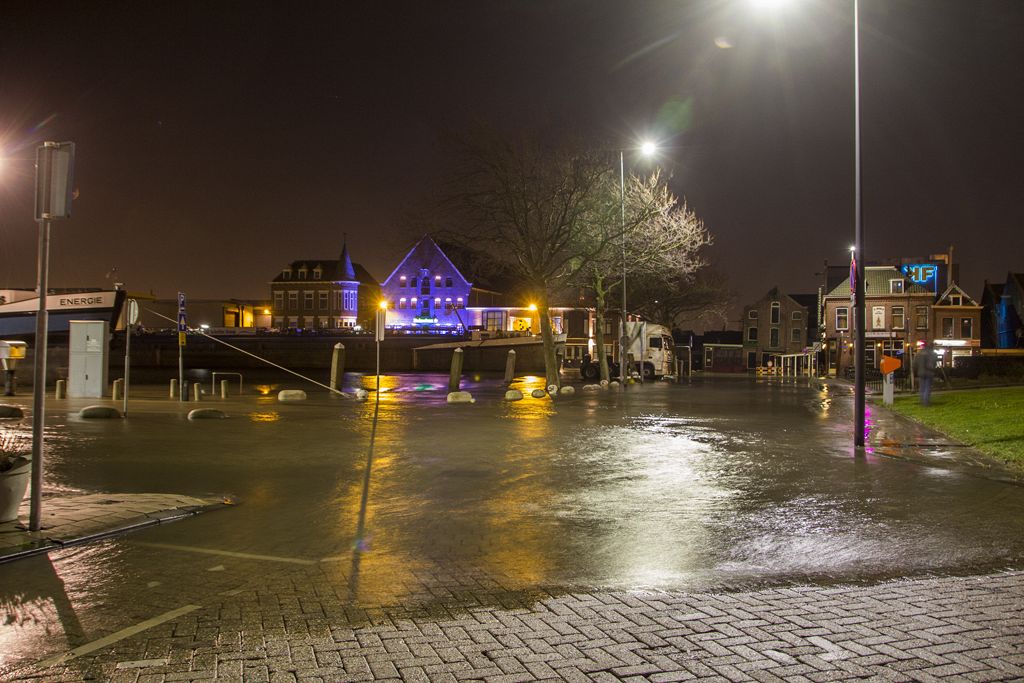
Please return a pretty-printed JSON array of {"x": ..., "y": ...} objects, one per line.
[
  {"x": 532, "y": 307},
  {"x": 648, "y": 148},
  {"x": 383, "y": 303}
]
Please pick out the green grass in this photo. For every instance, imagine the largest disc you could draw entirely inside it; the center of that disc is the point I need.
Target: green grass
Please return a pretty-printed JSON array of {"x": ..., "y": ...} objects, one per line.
[{"x": 991, "y": 420}]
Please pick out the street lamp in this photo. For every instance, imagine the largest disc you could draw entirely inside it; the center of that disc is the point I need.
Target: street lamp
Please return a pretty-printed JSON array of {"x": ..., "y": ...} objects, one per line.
[{"x": 648, "y": 149}]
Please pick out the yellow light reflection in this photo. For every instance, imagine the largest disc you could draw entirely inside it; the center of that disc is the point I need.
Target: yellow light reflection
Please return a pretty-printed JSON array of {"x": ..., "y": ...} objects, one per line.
[{"x": 265, "y": 416}]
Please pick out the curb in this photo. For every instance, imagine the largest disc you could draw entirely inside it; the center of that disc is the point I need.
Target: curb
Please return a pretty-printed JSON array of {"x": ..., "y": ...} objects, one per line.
[{"x": 143, "y": 522}]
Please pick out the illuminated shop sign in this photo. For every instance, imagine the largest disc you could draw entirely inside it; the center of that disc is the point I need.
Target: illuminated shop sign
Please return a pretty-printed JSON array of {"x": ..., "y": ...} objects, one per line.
[{"x": 920, "y": 273}]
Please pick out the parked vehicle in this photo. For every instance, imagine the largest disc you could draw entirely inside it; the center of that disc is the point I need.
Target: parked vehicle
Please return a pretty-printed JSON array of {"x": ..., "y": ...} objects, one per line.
[{"x": 652, "y": 348}]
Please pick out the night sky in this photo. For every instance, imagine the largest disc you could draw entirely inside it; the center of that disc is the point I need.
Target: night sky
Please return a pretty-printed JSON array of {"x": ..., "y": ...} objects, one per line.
[{"x": 216, "y": 142}]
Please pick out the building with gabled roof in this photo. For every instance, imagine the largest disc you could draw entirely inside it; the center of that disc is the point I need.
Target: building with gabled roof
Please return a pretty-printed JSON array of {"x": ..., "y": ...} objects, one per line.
[{"x": 323, "y": 294}]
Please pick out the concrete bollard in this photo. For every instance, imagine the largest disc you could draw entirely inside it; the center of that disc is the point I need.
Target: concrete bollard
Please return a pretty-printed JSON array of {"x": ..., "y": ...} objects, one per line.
[
  {"x": 566, "y": 391},
  {"x": 62, "y": 389},
  {"x": 513, "y": 395},
  {"x": 510, "y": 366},
  {"x": 291, "y": 395},
  {"x": 455, "y": 376},
  {"x": 197, "y": 391},
  {"x": 460, "y": 397},
  {"x": 117, "y": 389},
  {"x": 337, "y": 366},
  {"x": 538, "y": 393},
  {"x": 174, "y": 389},
  {"x": 223, "y": 388}
]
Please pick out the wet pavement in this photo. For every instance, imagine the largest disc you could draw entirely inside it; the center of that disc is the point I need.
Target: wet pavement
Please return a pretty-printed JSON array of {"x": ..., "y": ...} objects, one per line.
[{"x": 724, "y": 484}]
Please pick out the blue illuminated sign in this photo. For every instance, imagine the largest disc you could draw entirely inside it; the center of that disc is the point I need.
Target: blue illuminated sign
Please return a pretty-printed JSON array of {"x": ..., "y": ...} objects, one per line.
[{"x": 921, "y": 273}]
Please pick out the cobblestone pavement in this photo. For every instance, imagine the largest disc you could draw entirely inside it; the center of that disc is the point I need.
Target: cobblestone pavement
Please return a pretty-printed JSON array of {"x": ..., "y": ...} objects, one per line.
[{"x": 300, "y": 625}]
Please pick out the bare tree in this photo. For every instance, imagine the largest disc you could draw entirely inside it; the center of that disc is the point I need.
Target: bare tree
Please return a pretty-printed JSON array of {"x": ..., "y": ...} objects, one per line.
[
  {"x": 529, "y": 204},
  {"x": 661, "y": 243},
  {"x": 668, "y": 299}
]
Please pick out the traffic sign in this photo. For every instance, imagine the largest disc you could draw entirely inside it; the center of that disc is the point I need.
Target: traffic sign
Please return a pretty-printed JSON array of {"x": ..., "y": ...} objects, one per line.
[{"x": 133, "y": 311}]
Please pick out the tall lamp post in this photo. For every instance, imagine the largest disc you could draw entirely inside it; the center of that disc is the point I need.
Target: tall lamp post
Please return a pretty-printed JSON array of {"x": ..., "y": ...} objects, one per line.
[
  {"x": 858, "y": 309},
  {"x": 648, "y": 149}
]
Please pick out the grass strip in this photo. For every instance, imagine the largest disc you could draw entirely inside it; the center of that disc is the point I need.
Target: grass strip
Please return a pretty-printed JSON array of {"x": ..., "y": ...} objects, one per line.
[{"x": 990, "y": 420}]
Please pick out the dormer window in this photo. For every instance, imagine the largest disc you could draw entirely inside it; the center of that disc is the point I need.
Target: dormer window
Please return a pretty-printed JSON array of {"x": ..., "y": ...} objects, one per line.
[
  {"x": 895, "y": 286},
  {"x": 303, "y": 273},
  {"x": 286, "y": 274},
  {"x": 317, "y": 272}
]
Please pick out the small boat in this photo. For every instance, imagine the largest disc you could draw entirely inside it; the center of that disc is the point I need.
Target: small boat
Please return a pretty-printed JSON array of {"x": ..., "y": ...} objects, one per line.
[{"x": 18, "y": 308}]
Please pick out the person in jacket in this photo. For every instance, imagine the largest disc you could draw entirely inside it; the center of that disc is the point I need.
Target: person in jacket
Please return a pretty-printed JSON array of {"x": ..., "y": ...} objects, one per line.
[{"x": 924, "y": 369}]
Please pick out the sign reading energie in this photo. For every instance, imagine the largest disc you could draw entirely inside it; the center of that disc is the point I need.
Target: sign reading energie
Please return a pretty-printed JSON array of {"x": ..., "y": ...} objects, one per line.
[{"x": 920, "y": 273}]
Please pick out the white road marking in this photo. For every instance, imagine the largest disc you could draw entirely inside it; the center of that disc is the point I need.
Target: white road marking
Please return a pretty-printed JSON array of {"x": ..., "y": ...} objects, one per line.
[
  {"x": 228, "y": 553},
  {"x": 118, "y": 636}
]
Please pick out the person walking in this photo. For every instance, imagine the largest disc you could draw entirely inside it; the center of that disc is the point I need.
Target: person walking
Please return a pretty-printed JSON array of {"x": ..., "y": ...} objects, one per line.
[{"x": 924, "y": 368}]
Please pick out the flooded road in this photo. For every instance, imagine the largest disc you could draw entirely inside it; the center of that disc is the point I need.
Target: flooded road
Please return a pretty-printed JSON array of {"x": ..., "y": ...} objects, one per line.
[{"x": 722, "y": 482}]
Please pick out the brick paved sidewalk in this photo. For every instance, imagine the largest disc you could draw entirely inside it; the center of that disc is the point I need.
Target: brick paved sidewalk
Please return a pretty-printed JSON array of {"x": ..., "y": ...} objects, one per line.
[{"x": 299, "y": 627}]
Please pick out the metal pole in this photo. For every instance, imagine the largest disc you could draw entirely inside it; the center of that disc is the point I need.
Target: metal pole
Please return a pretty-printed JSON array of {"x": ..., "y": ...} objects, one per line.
[
  {"x": 39, "y": 382},
  {"x": 858, "y": 420},
  {"x": 181, "y": 373},
  {"x": 622, "y": 216},
  {"x": 127, "y": 355}
]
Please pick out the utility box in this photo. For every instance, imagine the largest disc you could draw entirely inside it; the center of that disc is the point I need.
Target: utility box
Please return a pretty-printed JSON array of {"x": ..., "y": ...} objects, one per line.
[{"x": 87, "y": 367}]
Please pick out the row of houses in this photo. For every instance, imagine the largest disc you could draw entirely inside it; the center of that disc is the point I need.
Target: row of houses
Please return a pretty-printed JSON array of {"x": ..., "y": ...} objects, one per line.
[{"x": 907, "y": 303}]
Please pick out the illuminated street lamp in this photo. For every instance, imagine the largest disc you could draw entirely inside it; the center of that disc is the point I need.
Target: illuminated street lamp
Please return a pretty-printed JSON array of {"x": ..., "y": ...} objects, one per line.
[{"x": 648, "y": 149}]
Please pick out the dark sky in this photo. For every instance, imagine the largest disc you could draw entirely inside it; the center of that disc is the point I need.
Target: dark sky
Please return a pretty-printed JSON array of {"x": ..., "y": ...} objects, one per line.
[{"x": 218, "y": 141}]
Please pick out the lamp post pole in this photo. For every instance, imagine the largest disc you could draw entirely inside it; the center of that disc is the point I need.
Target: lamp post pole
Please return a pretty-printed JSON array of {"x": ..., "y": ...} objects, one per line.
[
  {"x": 622, "y": 217},
  {"x": 858, "y": 314}
]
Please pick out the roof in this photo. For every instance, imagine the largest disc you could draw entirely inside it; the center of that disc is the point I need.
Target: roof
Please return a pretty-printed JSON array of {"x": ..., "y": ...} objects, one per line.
[
  {"x": 430, "y": 256},
  {"x": 332, "y": 270},
  {"x": 876, "y": 283},
  {"x": 955, "y": 289}
]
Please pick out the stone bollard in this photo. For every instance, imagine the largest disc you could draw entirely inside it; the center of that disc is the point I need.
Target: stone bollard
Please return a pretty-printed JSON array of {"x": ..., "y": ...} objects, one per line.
[
  {"x": 197, "y": 391},
  {"x": 174, "y": 389},
  {"x": 455, "y": 376},
  {"x": 62, "y": 389},
  {"x": 510, "y": 366},
  {"x": 337, "y": 366},
  {"x": 460, "y": 397},
  {"x": 223, "y": 388},
  {"x": 513, "y": 395},
  {"x": 538, "y": 393},
  {"x": 117, "y": 389}
]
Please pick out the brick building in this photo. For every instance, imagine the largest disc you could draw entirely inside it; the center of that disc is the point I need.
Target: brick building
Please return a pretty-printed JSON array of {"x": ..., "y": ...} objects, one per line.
[{"x": 774, "y": 326}]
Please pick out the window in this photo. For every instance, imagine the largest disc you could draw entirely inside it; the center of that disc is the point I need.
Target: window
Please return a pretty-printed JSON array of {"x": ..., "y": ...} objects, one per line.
[
  {"x": 425, "y": 308},
  {"x": 322, "y": 300},
  {"x": 302, "y": 273},
  {"x": 293, "y": 300},
  {"x": 966, "y": 328},
  {"x": 895, "y": 286},
  {"x": 412, "y": 282},
  {"x": 956, "y": 300},
  {"x": 751, "y": 360},
  {"x": 493, "y": 320},
  {"x": 795, "y": 335},
  {"x": 752, "y": 314},
  {"x": 898, "y": 318},
  {"x": 448, "y": 303},
  {"x": 403, "y": 303},
  {"x": 317, "y": 273},
  {"x": 447, "y": 282},
  {"x": 337, "y": 300},
  {"x": 775, "y": 312},
  {"x": 947, "y": 328},
  {"x": 437, "y": 302},
  {"x": 307, "y": 300},
  {"x": 921, "y": 314},
  {"x": 752, "y": 334},
  {"x": 286, "y": 274},
  {"x": 278, "y": 301},
  {"x": 654, "y": 343},
  {"x": 401, "y": 281},
  {"x": 842, "y": 318},
  {"x": 424, "y": 285},
  {"x": 774, "y": 337},
  {"x": 459, "y": 303},
  {"x": 798, "y": 315}
]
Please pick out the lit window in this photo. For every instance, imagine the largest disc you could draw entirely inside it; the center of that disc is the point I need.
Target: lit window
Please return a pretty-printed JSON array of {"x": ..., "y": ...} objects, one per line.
[
  {"x": 437, "y": 278},
  {"x": 459, "y": 303},
  {"x": 403, "y": 303},
  {"x": 895, "y": 286},
  {"x": 842, "y": 318},
  {"x": 437, "y": 301}
]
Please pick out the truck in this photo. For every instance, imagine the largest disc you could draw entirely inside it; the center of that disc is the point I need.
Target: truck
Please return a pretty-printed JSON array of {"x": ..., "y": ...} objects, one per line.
[{"x": 651, "y": 346}]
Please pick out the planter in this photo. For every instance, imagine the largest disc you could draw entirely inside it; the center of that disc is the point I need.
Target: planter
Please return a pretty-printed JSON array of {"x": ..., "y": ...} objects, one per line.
[{"x": 13, "y": 485}]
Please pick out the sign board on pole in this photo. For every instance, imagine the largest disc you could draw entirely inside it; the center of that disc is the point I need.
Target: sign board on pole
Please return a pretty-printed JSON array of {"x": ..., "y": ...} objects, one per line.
[
  {"x": 55, "y": 163},
  {"x": 182, "y": 320},
  {"x": 382, "y": 318},
  {"x": 133, "y": 312}
]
